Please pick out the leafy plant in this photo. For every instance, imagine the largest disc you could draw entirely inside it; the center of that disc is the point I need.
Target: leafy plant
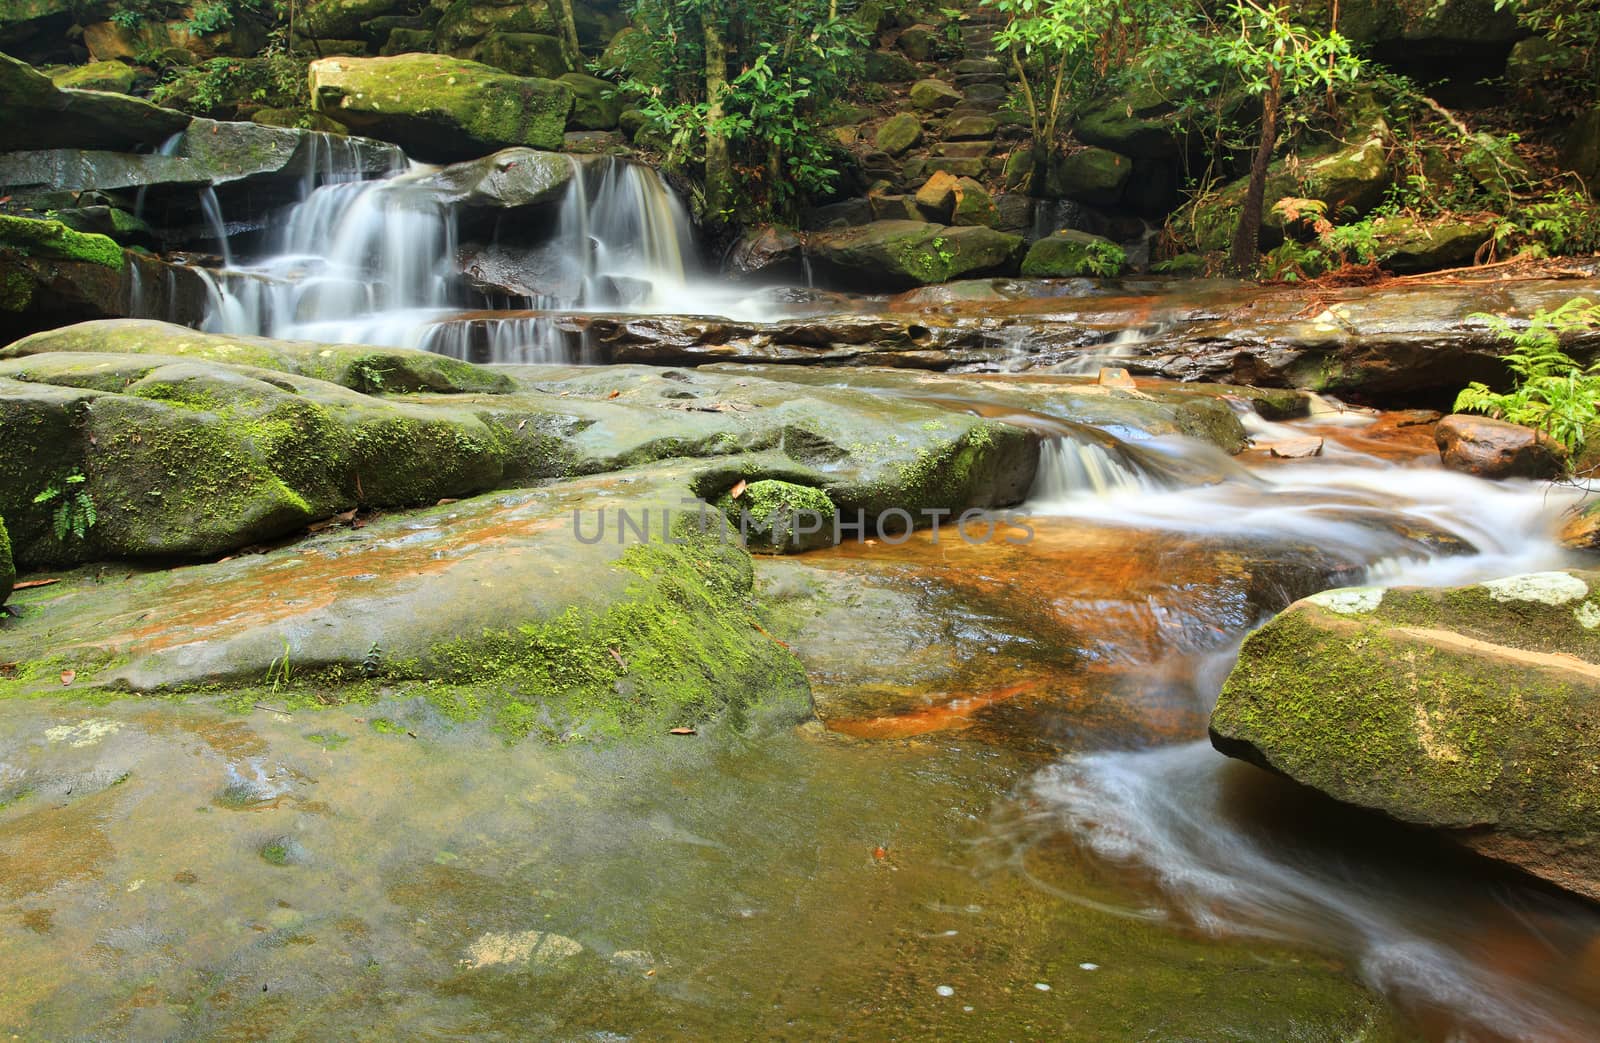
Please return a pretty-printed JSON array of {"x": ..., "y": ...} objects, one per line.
[
  {"x": 1551, "y": 392},
  {"x": 75, "y": 512}
]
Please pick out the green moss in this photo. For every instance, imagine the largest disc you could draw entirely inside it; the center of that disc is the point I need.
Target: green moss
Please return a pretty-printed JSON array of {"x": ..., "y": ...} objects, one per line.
[
  {"x": 16, "y": 290},
  {"x": 767, "y": 511},
  {"x": 681, "y": 648},
  {"x": 328, "y": 740},
  {"x": 54, "y": 239},
  {"x": 275, "y": 853},
  {"x": 8, "y": 570}
]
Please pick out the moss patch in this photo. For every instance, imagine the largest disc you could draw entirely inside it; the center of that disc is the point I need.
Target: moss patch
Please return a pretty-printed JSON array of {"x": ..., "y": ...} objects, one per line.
[{"x": 54, "y": 239}]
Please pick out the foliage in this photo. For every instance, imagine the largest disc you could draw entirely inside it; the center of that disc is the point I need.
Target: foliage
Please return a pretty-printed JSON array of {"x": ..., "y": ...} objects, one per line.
[
  {"x": 1332, "y": 247},
  {"x": 75, "y": 511},
  {"x": 1551, "y": 392},
  {"x": 215, "y": 86},
  {"x": 1572, "y": 28},
  {"x": 786, "y": 61},
  {"x": 209, "y": 16}
]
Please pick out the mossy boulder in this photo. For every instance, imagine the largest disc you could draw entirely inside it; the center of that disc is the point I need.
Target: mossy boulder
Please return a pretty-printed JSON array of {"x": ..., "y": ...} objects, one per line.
[
  {"x": 525, "y": 54},
  {"x": 888, "y": 67},
  {"x": 39, "y": 115},
  {"x": 594, "y": 102},
  {"x": 934, "y": 96},
  {"x": 902, "y": 254},
  {"x": 506, "y": 180},
  {"x": 360, "y": 367},
  {"x": 1470, "y": 710},
  {"x": 1138, "y": 122},
  {"x": 899, "y": 134},
  {"x": 1070, "y": 253},
  {"x": 972, "y": 204},
  {"x": 465, "y": 22},
  {"x": 345, "y": 19},
  {"x": 1090, "y": 175},
  {"x": 780, "y": 517},
  {"x": 8, "y": 568},
  {"x": 441, "y": 108},
  {"x": 1413, "y": 245},
  {"x": 96, "y": 76},
  {"x": 53, "y": 239}
]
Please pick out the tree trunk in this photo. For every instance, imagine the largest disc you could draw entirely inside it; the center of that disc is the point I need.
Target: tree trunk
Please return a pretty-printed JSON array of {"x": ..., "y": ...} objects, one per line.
[
  {"x": 569, "y": 34},
  {"x": 719, "y": 166},
  {"x": 1247, "y": 234}
]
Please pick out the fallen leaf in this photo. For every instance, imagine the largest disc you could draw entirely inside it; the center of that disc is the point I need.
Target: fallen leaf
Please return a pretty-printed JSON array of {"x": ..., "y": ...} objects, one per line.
[
  {"x": 738, "y": 489},
  {"x": 447, "y": 499},
  {"x": 68, "y": 676},
  {"x": 623, "y": 663},
  {"x": 682, "y": 731},
  {"x": 29, "y": 584},
  {"x": 880, "y": 853},
  {"x": 522, "y": 423},
  {"x": 614, "y": 394}
]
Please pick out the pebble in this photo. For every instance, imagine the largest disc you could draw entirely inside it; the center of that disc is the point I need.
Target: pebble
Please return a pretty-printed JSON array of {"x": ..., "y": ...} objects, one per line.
[
  {"x": 945, "y": 990},
  {"x": 1042, "y": 986},
  {"x": 1088, "y": 966}
]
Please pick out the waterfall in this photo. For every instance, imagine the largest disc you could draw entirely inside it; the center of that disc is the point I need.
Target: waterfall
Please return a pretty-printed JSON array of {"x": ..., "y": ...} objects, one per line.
[
  {"x": 376, "y": 262},
  {"x": 1071, "y": 468}
]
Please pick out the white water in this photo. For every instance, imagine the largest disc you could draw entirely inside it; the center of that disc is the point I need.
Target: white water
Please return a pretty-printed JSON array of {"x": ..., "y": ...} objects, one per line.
[
  {"x": 376, "y": 262},
  {"x": 1413, "y": 929}
]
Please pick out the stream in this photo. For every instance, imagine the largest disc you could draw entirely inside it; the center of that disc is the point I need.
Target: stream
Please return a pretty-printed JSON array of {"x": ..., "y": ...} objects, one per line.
[{"x": 1009, "y": 823}]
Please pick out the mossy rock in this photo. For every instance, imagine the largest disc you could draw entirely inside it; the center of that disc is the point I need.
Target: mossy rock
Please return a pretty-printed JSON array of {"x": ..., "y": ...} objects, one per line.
[
  {"x": 781, "y": 517},
  {"x": 899, "y": 134},
  {"x": 1071, "y": 253},
  {"x": 8, "y": 568},
  {"x": 96, "y": 76},
  {"x": 1469, "y": 710},
  {"x": 39, "y": 115},
  {"x": 902, "y": 254},
  {"x": 1090, "y": 175},
  {"x": 466, "y": 21},
  {"x": 595, "y": 105},
  {"x": 525, "y": 54},
  {"x": 441, "y": 108},
  {"x": 1413, "y": 245},
  {"x": 54, "y": 239},
  {"x": 1137, "y": 122},
  {"x": 889, "y": 67},
  {"x": 359, "y": 367},
  {"x": 345, "y": 19}
]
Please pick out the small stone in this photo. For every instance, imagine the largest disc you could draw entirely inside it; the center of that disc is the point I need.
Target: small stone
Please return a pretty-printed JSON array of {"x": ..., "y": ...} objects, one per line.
[
  {"x": 1088, "y": 966},
  {"x": 1115, "y": 377},
  {"x": 945, "y": 990},
  {"x": 1295, "y": 448}
]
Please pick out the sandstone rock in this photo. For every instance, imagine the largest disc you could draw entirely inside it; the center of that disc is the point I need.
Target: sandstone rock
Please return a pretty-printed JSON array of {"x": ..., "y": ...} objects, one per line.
[
  {"x": 344, "y": 19},
  {"x": 969, "y": 128},
  {"x": 1467, "y": 710},
  {"x": 593, "y": 106},
  {"x": 972, "y": 205},
  {"x": 1091, "y": 175},
  {"x": 441, "y": 108},
  {"x": 508, "y": 179},
  {"x": 900, "y": 254},
  {"x": 1070, "y": 253},
  {"x": 934, "y": 96},
  {"x": 96, "y": 76},
  {"x": 1491, "y": 448},
  {"x": 524, "y": 54},
  {"x": 39, "y": 115},
  {"x": 899, "y": 134},
  {"x": 937, "y": 196}
]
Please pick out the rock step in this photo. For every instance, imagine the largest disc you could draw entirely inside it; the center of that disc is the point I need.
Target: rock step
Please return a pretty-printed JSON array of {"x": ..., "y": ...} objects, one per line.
[
  {"x": 974, "y": 66},
  {"x": 985, "y": 79}
]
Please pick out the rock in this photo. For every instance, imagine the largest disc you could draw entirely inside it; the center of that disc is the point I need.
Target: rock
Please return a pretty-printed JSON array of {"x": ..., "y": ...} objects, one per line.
[
  {"x": 1580, "y": 149},
  {"x": 973, "y": 206},
  {"x": 1293, "y": 448},
  {"x": 8, "y": 569},
  {"x": 900, "y": 254},
  {"x": 208, "y": 152},
  {"x": 1139, "y": 123},
  {"x": 899, "y": 134},
  {"x": 937, "y": 196},
  {"x": 441, "y": 108},
  {"x": 1354, "y": 178},
  {"x": 767, "y": 250},
  {"x": 298, "y": 119},
  {"x": 465, "y": 22},
  {"x": 1413, "y": 245},
  {"x": 934, "y": 96},
  {"x": 1489, "y": 448},
  {"x": 345, "y": 19},
  {"x": 1581, "y": 530},
  {"x": 1070, "y": 253},
  {"x": 505, "y": 180},
  {"x": 96, "y": 76},
  {"x": 889, "y": 67},
  {"x": 1090, "y": 175},
  {"x": 1467, "y": 710},
  {"x": 1116, "y": 377},
  {"x": 594, "y": 106},
  {"x": 781, "y": 517},
  {"x": 54, "y": 239},
  {"x": 524, "y": 54},
  {"x": 919, "y": 42},
  {"x": 969, "y": 128},
  {"x": 39, "y": 115}
]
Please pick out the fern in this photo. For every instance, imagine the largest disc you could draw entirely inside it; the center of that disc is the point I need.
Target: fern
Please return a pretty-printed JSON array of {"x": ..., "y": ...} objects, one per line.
[
  {"x": 75, "y": 512},
  {"x": 1551, "y": 392}
]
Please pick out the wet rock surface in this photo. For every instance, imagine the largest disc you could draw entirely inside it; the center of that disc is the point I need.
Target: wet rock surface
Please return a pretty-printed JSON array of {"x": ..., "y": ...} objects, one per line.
[
  {"x": 1466, "y": 710},
  {"x": 1492, "y": 448}
]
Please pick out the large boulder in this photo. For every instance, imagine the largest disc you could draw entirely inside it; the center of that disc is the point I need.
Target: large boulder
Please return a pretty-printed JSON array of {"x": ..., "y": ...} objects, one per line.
[
  {"x": 595, "y": 105},
  {"x": 506, "y": 180},
  {"x": 1070, "y": 253},
  {"x": 1469, "y": 710},
  {"x": 441, "y": 108},
  {"x": 525, "y": 54},
  {"x": 117, "y": 77},
  {"x": 902, "y": 254},
  {"x": 345, "y": 19},
  {"x": 1489, "y": 448},
  {"x": 39, "y": 115},
  {"x": 1413, "y": 245},
  {"x": 1090, "y": 175},
  {"x": 465, "y": 22},
  {"x": 1139, "y": 122},
  {"x": 899, "y": 134}
]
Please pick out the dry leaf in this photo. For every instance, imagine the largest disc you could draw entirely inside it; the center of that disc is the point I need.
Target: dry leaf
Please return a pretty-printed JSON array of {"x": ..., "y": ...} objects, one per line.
[
  {"x": 682, "y": 731},
  {"x": 614, "y": 394},
  {"x": 738, "y": 489},
  {"x": 68, "y": 676},
  {"x": 29, "y": 584},
  {"x": 621, "y": 662},
  {"x": 880, "y": 853}
]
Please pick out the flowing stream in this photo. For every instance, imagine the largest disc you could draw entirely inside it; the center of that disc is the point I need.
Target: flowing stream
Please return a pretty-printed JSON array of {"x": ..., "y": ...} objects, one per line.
[{"x": 1193, "y": 840}]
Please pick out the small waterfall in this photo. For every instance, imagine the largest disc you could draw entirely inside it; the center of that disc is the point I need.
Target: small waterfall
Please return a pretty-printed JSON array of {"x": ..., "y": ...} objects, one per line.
[
  {"x": 168, "y": 148},
  {"x": 1071, "y": 468},
  {"x": 523, "y": 340},
  {"x": 212, "y": 209},
  {"x": 626, "y": 239},
  {"x": 1124, "y": 342}
]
